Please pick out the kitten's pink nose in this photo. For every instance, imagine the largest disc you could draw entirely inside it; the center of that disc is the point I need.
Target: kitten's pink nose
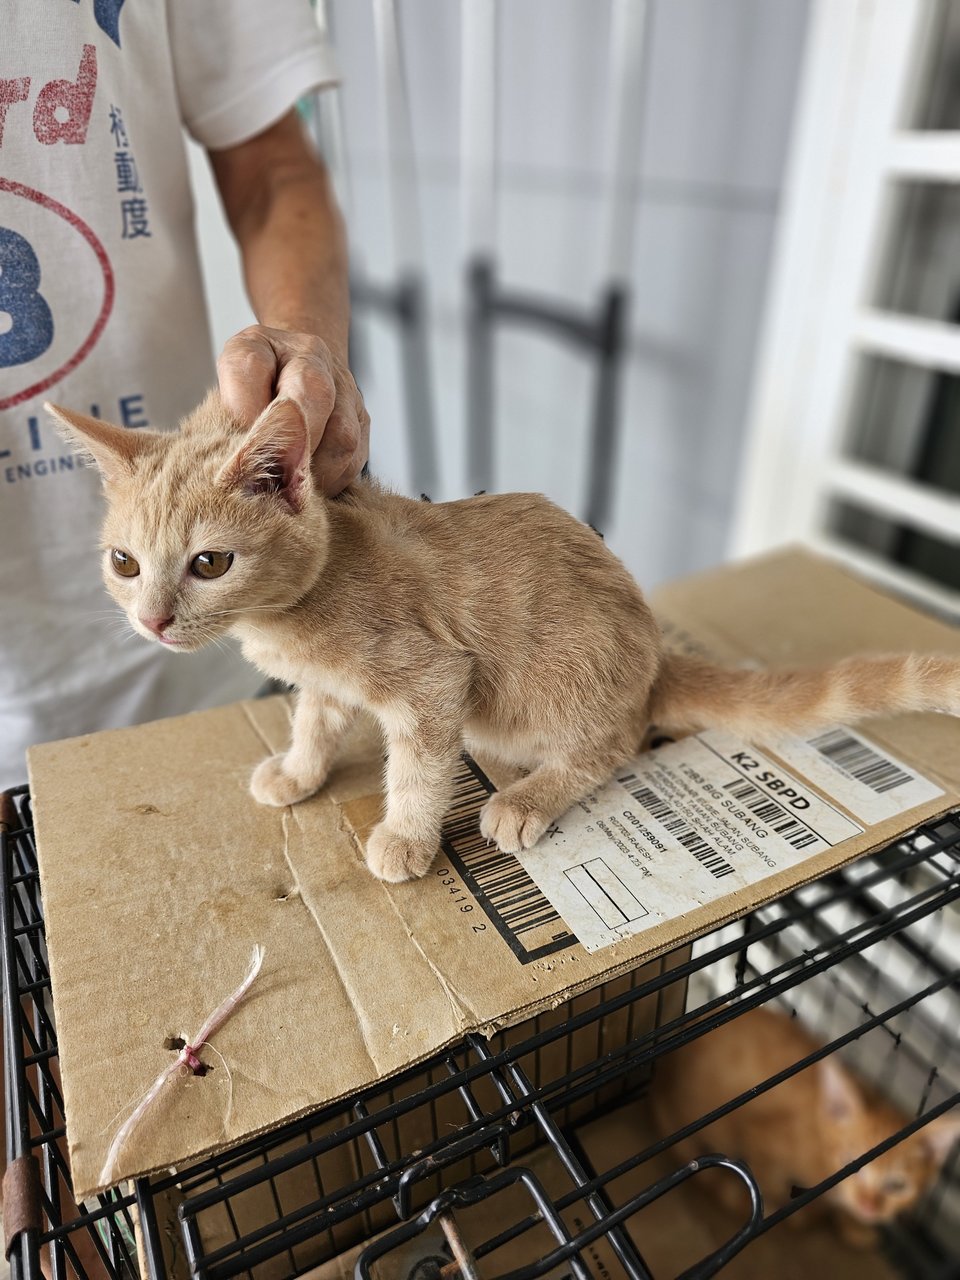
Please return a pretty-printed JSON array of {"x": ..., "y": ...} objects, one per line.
[
  {"x": 157, "y": 625},
  {"x": 869, "y": 1205}
]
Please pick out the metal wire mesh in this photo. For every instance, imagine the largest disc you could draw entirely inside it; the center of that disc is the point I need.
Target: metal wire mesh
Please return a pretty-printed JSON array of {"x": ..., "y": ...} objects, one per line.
[{"x": 866, "y": 957}]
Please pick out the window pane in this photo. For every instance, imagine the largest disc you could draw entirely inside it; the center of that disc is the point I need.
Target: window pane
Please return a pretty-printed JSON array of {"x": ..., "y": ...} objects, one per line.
[
  {"x": 907, "y": 419},
  {"x": 920, "y": 273},
  {"x": 939, "y": 103},
  {"x": 927, "y": 556}
]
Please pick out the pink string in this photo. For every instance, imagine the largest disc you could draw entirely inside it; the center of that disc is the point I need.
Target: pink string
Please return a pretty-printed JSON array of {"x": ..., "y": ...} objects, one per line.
[
  {"x": 187, "y": 1057},
  {"x": 190, "y": 1058}
]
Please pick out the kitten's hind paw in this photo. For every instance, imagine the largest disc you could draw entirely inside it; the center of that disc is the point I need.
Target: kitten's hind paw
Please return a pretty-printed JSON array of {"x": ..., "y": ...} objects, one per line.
[
  {"x": 394, "y": 857},
  {"x": 512, "y": 821},
  {"x": 271, "y": 784}
]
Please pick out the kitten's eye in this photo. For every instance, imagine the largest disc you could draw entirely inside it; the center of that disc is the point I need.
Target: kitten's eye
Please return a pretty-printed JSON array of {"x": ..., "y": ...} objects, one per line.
[
  {"x": 124, "y": 563},
  {"x": 894, "y": 1184},
  {"x": 211, "y": 564}
]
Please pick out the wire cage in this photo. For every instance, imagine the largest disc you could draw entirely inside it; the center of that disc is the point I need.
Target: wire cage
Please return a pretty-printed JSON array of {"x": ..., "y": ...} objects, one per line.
[{"x": 488, "y": 1160}]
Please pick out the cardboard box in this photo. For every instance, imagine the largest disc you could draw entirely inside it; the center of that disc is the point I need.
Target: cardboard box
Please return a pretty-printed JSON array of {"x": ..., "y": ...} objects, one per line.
[
  {"x": 306, "y": 1181},
  {"x": 160, "y": 874}
]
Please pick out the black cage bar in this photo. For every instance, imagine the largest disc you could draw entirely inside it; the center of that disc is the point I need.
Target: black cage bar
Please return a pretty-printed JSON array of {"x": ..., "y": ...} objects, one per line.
[{"x": 866, "y": 956}]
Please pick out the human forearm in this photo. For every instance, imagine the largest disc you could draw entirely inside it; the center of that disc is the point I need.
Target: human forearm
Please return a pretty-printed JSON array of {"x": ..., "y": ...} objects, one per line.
[
  {"x": 294, "y": 250},
  {"x": 280, "y": 204}
]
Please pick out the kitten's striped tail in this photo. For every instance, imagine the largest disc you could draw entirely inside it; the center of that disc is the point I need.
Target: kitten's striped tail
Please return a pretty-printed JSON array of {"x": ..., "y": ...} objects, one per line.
[{"x": 691, "y": 694}]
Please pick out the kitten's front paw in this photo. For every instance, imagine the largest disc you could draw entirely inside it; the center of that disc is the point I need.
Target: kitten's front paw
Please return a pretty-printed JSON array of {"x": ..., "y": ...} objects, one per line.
[
  {"x": 512, "y": 822},
  {"x": 394, "y": 857},
  {"x": 270, "y": 784}
]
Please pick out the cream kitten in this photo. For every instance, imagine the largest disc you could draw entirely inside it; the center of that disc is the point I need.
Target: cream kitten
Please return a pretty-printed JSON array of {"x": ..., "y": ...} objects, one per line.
[
  {"x": 801, "y": 1131},
  {"x": 499, "y": 621}
]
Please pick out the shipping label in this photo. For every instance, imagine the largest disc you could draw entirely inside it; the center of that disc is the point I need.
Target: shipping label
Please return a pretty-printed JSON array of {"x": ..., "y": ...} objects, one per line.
[{"x": 678, "y": 828}]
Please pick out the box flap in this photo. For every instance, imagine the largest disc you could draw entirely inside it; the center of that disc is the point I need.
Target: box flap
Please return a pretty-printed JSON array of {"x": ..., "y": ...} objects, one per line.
[{"x": 160, "y": 874}]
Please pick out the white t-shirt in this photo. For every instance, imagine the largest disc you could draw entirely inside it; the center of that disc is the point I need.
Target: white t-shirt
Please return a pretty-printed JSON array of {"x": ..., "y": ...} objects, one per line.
[{"x": 102, "y": 310}]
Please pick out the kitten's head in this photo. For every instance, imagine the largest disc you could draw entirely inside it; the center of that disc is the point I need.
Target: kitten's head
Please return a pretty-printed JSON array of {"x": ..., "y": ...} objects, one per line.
[
  {"x": 853, "y": 1122},
  {"x": 206, "y": 525}
]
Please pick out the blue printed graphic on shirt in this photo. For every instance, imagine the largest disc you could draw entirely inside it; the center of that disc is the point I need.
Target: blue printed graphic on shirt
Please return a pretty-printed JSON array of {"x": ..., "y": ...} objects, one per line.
[
  {"x": 107, "y": 14},
  {"x": 30, "y": 324}
]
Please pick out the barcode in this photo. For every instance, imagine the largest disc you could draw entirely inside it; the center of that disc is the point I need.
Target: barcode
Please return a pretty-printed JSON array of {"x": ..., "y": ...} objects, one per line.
[
  {"x": 771, "y": 814},
  {"x": 860, "y": 761},
  {"x": 681, "y": 830},
  {"x": 522, "y": 915}
]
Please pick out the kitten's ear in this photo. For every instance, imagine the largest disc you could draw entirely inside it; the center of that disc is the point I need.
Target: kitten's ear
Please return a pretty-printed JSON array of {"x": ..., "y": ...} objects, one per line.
[
  {"x": 839, "y": 1092},
  {"x": 274, "y": 457},
  {"x": 113, "y": 449},
  {"x": 939, "y": 1136}
]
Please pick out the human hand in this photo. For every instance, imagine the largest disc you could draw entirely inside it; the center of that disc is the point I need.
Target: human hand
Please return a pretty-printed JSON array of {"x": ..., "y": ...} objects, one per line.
[{"x": 259, "y": 364}]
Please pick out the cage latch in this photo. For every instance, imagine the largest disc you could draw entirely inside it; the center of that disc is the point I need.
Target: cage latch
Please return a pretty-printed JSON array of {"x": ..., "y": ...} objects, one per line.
[{"x": 21, "y": 1199}]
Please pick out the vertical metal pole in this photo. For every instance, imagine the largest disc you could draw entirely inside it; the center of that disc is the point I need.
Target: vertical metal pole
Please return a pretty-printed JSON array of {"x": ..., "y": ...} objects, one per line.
[
  {"x": 478, "y": 126},
  {"x": 25, "y": 1256},
  {"x": 398, "y": 141},
  {"x": 478, "y": 150},
  {"x": 481, "y": 425},
  {"x": 407, "y": 245},
  {"x": 326, "y": 123},
  {"x": 621, "y": 171},
  {"x": 152, "y": 1239},
  {"x": 606, "y": 405},
  {"x": 327, "y": 131},
  {"x": 622, "y": 160}
]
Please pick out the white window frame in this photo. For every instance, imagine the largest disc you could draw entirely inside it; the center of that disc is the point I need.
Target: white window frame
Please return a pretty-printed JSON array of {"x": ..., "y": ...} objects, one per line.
[{"x": 862, "y": 73}]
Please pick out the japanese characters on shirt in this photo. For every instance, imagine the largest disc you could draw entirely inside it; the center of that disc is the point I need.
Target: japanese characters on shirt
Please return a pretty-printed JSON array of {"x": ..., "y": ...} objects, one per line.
[{"x": 51, "y": 319}]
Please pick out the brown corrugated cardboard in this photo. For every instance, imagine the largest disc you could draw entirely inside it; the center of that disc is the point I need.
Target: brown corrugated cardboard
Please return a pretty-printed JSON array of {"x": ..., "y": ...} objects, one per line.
[
  {"x": 160, "y": 875},
  {"x": 303, "y": 1183}
]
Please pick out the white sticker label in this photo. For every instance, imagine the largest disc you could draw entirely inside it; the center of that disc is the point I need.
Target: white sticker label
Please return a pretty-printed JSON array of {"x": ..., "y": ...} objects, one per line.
[
  {"x": 679, "y": 827},
  {"x": 855, "y": 772}
]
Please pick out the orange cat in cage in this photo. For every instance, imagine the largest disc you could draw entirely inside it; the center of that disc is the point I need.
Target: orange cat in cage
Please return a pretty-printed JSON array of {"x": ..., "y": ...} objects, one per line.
[{"x": 801, "y": 1131}]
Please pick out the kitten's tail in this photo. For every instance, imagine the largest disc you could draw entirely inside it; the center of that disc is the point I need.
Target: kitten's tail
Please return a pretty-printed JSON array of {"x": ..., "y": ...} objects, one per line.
[{"x": 691, "y": 694}]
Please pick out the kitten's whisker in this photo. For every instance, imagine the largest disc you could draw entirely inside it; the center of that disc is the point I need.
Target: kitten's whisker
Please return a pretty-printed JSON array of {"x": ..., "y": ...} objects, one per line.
[
  {"x": 253, "y": 608},
  {"x": 213, "y": 637}
]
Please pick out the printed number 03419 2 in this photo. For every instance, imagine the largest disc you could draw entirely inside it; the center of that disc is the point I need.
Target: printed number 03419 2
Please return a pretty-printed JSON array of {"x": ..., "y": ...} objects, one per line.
[{"x": 459, "y": 894}]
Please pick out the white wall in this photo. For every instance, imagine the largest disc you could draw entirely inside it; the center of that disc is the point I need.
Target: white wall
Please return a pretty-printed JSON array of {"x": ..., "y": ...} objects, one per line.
[{"x": 713, "y": 136}]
